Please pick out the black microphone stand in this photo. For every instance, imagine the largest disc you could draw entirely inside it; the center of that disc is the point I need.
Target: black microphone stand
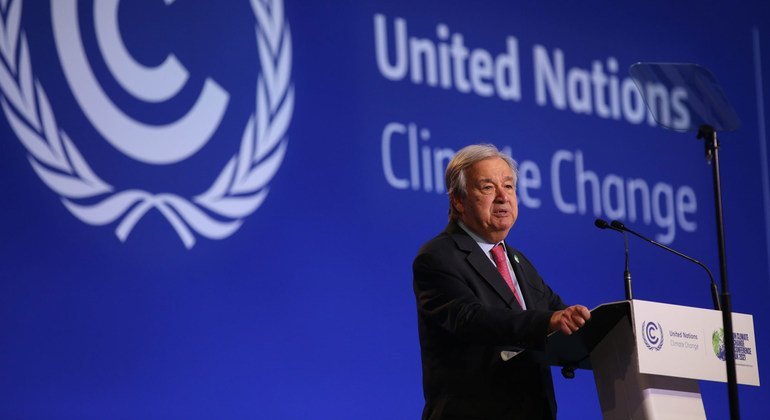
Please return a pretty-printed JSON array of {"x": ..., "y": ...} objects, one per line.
[
  {"x": 602, "y": 224},
  {"x": 709, "y": 136},
  {"x": 627, "y": 271},
  {"x": 620, "y": 227}
]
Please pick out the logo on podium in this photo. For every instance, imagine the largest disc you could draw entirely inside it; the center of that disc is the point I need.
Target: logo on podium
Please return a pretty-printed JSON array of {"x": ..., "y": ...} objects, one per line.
[
  {"x": 718, "y": 343},
  {"x": 652, "y": 335}
]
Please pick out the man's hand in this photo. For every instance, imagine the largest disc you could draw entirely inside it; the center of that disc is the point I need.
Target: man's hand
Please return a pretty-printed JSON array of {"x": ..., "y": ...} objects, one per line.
[{"x": 569, "y": 320}]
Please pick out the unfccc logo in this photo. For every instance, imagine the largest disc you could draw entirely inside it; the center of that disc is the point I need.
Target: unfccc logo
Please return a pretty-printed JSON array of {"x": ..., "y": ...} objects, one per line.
[
  {"x": 241, "y": 185},
  {"x": 652, "y": 335}
]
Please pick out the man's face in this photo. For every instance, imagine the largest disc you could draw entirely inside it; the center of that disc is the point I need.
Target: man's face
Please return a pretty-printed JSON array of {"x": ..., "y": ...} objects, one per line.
[{"x": 490, "y": 207}]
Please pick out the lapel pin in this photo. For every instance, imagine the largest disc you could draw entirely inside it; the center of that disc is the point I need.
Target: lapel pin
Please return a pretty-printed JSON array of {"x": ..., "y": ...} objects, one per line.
[{"x": 516, "y": 258}]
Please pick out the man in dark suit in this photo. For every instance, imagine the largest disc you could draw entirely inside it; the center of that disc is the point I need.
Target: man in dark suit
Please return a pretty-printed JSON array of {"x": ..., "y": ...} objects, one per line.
[{"x": 480, "y": 302}]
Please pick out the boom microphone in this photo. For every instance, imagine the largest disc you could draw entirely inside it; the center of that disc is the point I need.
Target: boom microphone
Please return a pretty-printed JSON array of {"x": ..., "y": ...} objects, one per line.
[
  {"x": 602, "y": 224},
  {"x": 714, "y": 291}
]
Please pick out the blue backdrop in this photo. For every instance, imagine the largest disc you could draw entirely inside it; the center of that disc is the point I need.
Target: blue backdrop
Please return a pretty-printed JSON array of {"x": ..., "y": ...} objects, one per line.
[{"x": 211, "y": 211}]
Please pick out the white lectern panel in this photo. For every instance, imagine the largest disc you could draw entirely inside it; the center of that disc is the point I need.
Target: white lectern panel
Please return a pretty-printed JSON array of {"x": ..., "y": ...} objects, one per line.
[{"x": 687, "y": 342}]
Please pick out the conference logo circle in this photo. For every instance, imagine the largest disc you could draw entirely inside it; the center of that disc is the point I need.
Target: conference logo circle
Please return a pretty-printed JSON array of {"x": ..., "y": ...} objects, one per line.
[
  {"x": 240, "y": 187},
  {"x": 652, "y": 335},
  {"x": 718, "y": 343}
]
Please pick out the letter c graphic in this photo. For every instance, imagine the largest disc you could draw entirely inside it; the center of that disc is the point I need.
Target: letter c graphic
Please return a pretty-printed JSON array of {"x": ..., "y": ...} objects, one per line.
[{"x": 155, "y": 144}]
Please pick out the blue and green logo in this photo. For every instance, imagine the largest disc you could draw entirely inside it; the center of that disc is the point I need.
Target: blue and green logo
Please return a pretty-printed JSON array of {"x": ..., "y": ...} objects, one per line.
[{"x": 718, "y": 343}]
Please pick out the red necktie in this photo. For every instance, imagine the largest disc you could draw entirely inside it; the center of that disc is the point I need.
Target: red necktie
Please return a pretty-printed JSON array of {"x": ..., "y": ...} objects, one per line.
[{"x": 498, "y": 254}]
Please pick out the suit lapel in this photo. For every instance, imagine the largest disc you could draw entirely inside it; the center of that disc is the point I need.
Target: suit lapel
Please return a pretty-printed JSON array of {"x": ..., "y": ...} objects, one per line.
[
  {"x": 482, "y": 264},
  {"x": 489, "y": 273}
]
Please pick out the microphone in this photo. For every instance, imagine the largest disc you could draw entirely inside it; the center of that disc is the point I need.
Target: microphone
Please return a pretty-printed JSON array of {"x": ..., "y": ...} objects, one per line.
[
  {"x": 602, "y": 224},
  {"x": 714, "y": 291}
]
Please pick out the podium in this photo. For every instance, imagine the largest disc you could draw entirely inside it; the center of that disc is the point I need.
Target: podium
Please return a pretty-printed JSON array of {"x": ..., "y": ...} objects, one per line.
[{"x": 647, "y": 357}]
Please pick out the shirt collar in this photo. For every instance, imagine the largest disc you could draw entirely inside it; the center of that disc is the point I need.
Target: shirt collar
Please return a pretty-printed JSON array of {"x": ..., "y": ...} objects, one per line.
[{"x": 483, "y": 243}]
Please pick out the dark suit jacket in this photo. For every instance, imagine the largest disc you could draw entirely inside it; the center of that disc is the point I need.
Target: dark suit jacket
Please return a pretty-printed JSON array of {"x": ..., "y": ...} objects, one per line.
[{"x": 466, "y": 316}]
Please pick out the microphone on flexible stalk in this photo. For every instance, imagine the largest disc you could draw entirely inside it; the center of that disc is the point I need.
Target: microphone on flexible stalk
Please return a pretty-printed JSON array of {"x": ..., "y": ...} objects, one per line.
[
  {"x": 714, "y": 291},
  {"x": 602, "y": 224}
]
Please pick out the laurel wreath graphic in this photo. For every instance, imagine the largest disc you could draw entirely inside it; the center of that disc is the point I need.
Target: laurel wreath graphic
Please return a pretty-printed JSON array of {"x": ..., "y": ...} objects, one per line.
[
  {"x": 239, "y": 189},
  {"x": 651, "y": 342}
]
